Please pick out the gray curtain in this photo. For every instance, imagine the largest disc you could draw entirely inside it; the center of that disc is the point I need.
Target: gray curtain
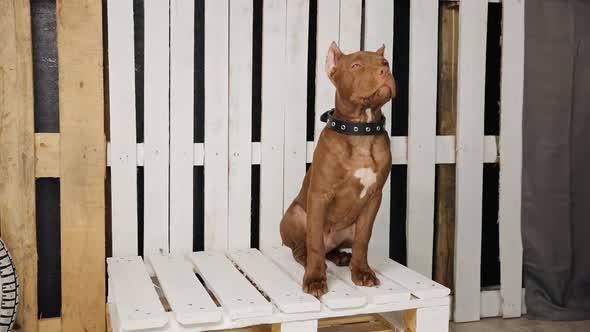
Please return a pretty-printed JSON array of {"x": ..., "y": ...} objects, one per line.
[{"x": 556, "y": 161}]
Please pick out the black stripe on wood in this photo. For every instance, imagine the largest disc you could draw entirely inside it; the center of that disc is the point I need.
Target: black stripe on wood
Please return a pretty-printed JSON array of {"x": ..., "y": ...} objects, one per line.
[{"x": 47, "y": 200}]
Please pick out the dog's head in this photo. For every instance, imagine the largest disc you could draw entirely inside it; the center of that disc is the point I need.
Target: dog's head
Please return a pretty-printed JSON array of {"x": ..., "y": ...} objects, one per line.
[{"x": 362, "y": 79}]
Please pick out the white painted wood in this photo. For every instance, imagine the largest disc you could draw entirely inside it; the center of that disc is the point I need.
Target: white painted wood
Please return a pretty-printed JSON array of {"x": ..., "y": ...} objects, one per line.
[
  {"x": 379, "y": 32},
  {"x": 272, "y": 118},
  {"x": 282, "y": 290},
  {"x": 240, "y": 122},
  {"x": 422, "y": 133},
  {"x": 137, "y": 304},
  {"x": 445, "y": 151},
  {"x": 300, "y": 326},
  {"x": 509, "y": 214},
  {"x": 216, "y": 123},
  {"x": 187, "y": 297},
  {"x": 122, "y": 127},
  {"x": 279, "y": 317},
  {"x": 182, "y": 30},
  {"x": 387, "y": 291},
  {"x": 233, "y": 291},
  {"x": 399, "y": 150},
  {"x": 470, "y": 153},
  {"x": 295, "y": 101},
  {"x": 491, "y": 303},
  {"x": 199, "y": 153},
  {"x": 328, "y": 27},
  {"x": 433, "y": 319},
  {"x": 350, "y": 25},
  {"x": 340, "y": 295},
  {"x": 156, "y": 126},
  {"x": 420, "y": 286}
]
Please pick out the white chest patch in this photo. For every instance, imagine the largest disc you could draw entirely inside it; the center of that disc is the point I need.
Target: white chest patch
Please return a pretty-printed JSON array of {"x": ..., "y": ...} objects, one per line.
[
  {"x": 367, "y": 178},
  {"x": 369, "y": 115}
]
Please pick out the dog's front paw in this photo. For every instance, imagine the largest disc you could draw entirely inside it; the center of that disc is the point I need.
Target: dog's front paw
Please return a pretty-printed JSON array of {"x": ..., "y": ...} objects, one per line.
[
  {"x": 364, "y": 277},
  {"x": 315, "y": 284}
]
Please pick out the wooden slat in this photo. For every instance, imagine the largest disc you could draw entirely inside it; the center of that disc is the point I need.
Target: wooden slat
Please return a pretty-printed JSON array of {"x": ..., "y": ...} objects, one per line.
[
  {"x": 284, "y": 293},
  {"x": 272, "y": 119},
  {"x": 137, "y": 303},
  {"x": 182, "y": 30},
  {"x": 492, "y": 303},
  {"x": 511, "y": 106},
  {"x": 17, "y": 151},
  {"x": 422, "y": 133},
  {"x": 299, "y": 326},
  {"x": 50, "y": 324},
  {"x": 375, "y": 326},
  {"x": 328, "y": 26},
  {"x": 240, "y": 122},
  {"x": 446, "y": 125},
  {"x": 470, "y": 157},
  {"x": 156, "y": 126},
  {"x": 295, "y": 102},
  {"x": 350, "y": 25},
  {"x": 388, "y": 291},
  {"x": 420, "y": 286},
  {"x": 46, "y": 155},
  {"x": 185, "y": 294},
  {"x": 233, "y": 291},
  {"x": 216, "y": 123},
  {"x": 379, "y": 32},
  {"x": 82, "y": 164},
  {"x": 122, "y": 123},
  {"x": 340, "y": 295}
]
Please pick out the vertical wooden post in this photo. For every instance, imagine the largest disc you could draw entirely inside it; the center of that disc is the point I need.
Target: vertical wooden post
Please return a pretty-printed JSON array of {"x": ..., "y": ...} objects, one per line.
[
  {"x": 82, "y": 164},
  {"x": 447, "y": 125},
  {"x": 432, "y": 319},
  {"x": 17, "y": 153}
]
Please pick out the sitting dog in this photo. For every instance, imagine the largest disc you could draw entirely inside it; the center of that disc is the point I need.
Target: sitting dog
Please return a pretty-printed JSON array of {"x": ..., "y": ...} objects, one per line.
[{"x": 341, "y": 192}]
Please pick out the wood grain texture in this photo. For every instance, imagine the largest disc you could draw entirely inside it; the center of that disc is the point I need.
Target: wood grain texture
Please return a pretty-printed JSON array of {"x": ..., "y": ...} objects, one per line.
[
  {"x": 46, "y": 155},
  {"x": 447, "y": 124},
  {"x": 17, "y": 153},
  {"x": 50, "y": 325},
  {"x": 82, "y": 164}
]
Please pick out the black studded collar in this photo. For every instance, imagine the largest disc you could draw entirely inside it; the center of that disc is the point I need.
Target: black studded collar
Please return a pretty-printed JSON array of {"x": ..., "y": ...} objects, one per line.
[{"x": 353, "y": 128}]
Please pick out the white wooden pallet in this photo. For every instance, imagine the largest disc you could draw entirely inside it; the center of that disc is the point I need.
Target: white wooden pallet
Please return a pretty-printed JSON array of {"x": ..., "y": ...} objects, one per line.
[{"x": 245, "y": 288}]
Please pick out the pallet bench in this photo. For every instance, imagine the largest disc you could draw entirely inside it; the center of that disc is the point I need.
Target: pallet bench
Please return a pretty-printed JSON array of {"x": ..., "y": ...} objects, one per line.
[{"x": 245, "y": 288}]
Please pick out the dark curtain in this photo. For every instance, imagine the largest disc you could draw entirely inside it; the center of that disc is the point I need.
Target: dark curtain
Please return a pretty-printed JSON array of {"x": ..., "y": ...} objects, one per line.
[{"x": 556, "y": 161}]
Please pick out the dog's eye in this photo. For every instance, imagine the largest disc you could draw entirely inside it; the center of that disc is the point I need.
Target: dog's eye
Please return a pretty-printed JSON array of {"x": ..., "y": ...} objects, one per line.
[{"x": 355, "y": 66}]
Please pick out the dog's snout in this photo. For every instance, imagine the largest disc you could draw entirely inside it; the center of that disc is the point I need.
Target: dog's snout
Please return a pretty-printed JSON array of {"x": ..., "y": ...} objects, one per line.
[{"x": 382, "y": 71}]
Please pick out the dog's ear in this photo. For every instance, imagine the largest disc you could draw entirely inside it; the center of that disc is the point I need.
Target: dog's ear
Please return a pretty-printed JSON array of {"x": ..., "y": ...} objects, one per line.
[
  {"x": 334, "y": 55},
  {"x": 381, "y": 50}
]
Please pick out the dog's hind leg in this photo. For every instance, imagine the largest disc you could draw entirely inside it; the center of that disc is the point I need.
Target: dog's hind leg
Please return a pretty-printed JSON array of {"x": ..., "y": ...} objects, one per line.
[
  {"x": 340, "y": 258},
  {"x": 293, "y": 232}
]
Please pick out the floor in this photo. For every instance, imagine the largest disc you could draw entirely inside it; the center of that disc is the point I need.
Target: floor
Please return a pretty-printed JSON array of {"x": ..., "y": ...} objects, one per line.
[{"x": 520, "y": 325}]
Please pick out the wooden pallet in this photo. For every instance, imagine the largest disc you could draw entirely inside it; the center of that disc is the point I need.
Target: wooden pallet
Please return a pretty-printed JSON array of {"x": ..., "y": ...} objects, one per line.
[{"x": 206, "y": 291}]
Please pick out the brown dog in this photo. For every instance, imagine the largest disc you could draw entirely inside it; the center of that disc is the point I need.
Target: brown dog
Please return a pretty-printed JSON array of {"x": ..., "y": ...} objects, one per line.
[{"x": 341, "y": 192}]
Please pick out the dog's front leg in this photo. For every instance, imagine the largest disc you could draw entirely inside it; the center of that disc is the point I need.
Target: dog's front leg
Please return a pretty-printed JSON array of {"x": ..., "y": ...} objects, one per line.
[
  {"x": 314, "y": 280},
  {"x": 362, "y": 274}
]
